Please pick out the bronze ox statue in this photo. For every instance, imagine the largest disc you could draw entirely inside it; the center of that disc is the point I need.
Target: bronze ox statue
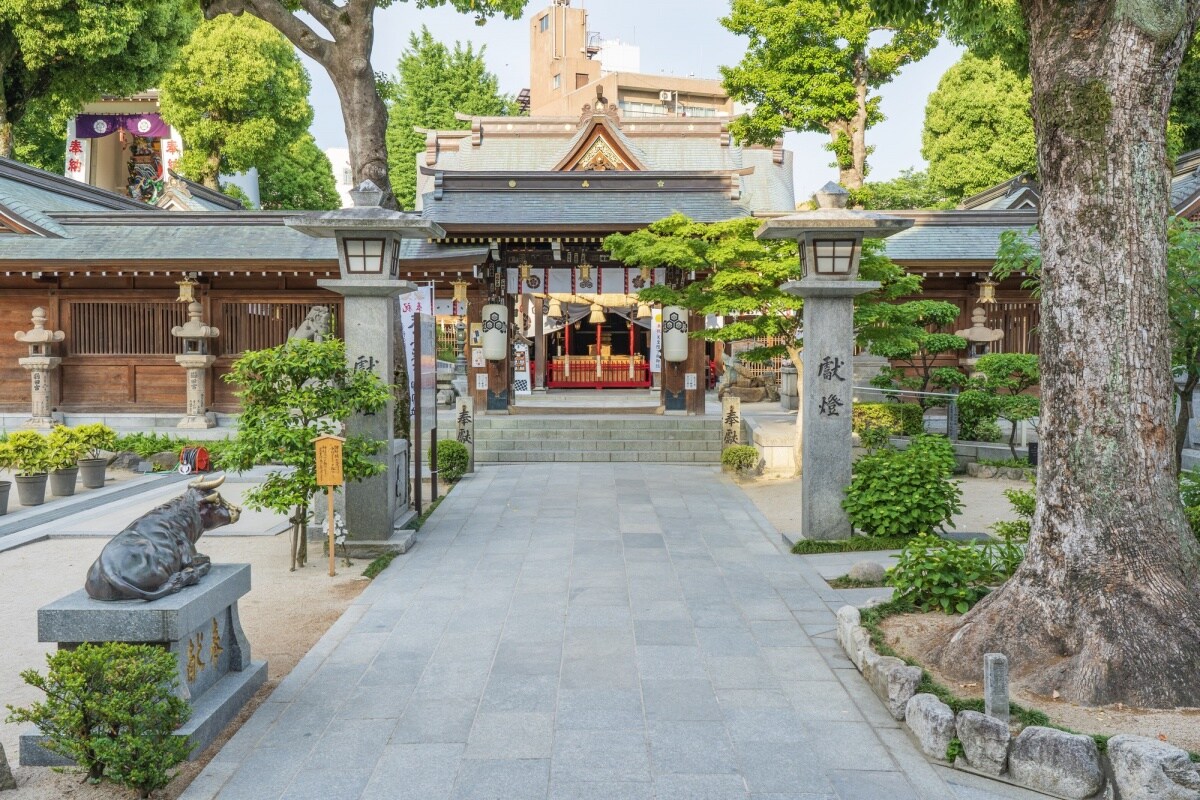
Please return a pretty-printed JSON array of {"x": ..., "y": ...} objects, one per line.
[{"x": 156, "y": 555}]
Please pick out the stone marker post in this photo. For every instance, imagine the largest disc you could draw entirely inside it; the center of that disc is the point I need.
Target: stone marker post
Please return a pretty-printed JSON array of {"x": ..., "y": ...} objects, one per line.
[
  {"x": 464, "y": 423},
  {"x": 731, "y": 421},
  {"x": 830, "y": 245},
  {"x": 368, "y": 246},
  {"x": 196, "y": 360},
  {"x": 995, "y": 685},
  {"x": 40, "y": 364}
]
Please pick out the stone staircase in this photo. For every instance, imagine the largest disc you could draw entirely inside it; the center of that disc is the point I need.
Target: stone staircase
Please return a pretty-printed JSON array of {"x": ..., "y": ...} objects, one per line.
[{"x": 654, "y": 439}]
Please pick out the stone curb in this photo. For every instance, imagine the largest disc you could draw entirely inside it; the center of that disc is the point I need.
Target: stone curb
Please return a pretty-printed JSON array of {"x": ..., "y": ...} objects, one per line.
[{"x": 1046, "y": 760}]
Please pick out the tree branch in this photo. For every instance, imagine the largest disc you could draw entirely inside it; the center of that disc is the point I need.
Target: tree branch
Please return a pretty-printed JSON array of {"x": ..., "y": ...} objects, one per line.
[
  {"x": 275, "y": 14},
  {"x": 326, "y": 12}
]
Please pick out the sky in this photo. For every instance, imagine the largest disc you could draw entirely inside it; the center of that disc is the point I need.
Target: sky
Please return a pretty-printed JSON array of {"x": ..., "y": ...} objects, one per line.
[{"x": 677, "y": 37}]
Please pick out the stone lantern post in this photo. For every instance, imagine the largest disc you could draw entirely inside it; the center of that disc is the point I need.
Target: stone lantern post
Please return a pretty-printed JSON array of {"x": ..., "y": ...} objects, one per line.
[
  {"x": 830, "y": 241},
  {"x": 368, "y": 244},
  {"x": 40, "y": 364},
  {"x": 196, "y": 360}
]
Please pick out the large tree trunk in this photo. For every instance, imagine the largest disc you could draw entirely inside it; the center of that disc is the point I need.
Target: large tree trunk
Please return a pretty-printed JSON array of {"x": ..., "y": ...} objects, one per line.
[
  {"x": 1106, "y": 606},
  {"x": 347, "y": 59}
]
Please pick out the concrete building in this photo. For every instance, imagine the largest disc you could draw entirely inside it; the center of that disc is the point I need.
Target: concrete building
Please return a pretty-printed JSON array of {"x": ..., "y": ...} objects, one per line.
[{"x": 569, "y": 65}]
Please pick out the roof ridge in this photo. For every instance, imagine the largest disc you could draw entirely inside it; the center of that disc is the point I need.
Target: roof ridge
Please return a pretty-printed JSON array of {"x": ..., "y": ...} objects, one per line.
[{"x": 60, "y": 184}]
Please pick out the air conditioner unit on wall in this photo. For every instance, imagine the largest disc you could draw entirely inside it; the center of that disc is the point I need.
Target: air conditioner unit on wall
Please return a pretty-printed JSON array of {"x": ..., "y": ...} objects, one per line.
[{"x": 665, "y": 96}]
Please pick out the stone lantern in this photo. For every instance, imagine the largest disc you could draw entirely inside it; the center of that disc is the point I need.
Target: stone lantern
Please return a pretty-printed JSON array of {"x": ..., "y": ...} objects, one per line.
[
  {"x": 368, "y": 244},
  {"x": 196, "y": 360},
  {"x": 40, "y": 364},
  {"x": 830, "y": 241},
  {"x": 980, "y": 339}
]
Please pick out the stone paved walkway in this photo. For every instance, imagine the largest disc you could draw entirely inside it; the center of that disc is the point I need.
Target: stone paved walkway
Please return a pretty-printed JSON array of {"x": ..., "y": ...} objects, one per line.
[{"x": 583, "y": 632}]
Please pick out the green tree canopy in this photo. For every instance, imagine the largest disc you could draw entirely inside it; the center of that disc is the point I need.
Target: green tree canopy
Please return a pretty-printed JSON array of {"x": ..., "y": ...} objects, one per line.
[
  {"x": 908, "y": 190},
  {"x": 238, "y": 95},
  {"x": 67, "y": 52},
  {"x": 814, "y": 65},
  {"x": 978, "y": 131},
  {"x": 301, "y": 177},
  {"x": 433, "y": 82}
]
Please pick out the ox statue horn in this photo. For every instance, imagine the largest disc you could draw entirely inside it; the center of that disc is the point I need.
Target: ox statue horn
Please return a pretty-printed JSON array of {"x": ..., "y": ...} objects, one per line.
[{"x": 208, "y": 484}]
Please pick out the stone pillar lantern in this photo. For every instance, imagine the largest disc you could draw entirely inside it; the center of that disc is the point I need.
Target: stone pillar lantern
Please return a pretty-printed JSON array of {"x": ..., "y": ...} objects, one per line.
[
  {"x": 830, "y": 241},
  {"x": 980, "y": 339},
  {"x": 196, "y": 360},
  {"x": 40, "y": 364},
  {"x": 368, "y": 246}
]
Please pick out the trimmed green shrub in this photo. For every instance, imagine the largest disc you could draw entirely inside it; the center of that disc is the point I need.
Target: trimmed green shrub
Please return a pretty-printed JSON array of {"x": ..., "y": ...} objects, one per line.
[
  {"x": 904, "y": 492},
  {"x": 65, "y": 446},
  {"x": 113, "y": 710},
  {"x": 900, "y": 419},
  {"x": 26, "y": 452},
  {"x": 977, "y": 415},
  {"x": 96, "y": 437},
  {"x": 741, "y": 457},
  {"x": 453, "y": 460},
  {"x": 936, "y": 574}
]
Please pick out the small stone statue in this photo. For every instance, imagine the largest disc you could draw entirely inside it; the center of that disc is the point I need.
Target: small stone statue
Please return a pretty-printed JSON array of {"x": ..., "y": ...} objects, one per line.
[
  {"x": 315, "y": 326},
  {"x": 156, "y": 555},
  {"x": 738, "y": 382}
]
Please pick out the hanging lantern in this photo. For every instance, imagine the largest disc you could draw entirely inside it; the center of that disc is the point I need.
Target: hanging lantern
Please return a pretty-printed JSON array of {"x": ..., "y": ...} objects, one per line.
[
  {"x": 187, "y": 289},
  {"x": 523, "y": 271},
  {"x": 585, "y": 272},
  {"x": 674, "y": 334},
  {"x": 643, "y": 311},
  {"x": 460, "y": 291},
  {"x": 987, "y": 291},
  {"x": 597, "y": 316},
  {"x": 495, "y": 332},
  {"x": 555, "y": 309}
]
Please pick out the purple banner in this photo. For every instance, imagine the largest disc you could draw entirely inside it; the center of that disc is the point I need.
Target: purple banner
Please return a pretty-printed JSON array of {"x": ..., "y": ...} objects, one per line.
[{"x": 94, "y": 126}]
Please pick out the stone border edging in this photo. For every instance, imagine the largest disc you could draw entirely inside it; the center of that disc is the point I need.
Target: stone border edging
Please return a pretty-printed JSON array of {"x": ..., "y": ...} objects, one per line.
[{"x": 1047, "y": 760}]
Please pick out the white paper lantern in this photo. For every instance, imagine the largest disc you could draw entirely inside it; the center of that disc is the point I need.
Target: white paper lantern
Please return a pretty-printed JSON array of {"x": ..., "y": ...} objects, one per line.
[
  {"x": 495, "y": 332},
  {"x": 674, "y": 334}
]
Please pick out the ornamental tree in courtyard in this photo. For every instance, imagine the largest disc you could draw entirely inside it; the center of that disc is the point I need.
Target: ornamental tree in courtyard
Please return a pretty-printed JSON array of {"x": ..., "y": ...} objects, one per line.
[
  {"x": 1105, "y": 607},
  {"x": 238, "y": 95},
  {"x": 816, "y": 65},
  {"x": 740, "y": 279},
  {"x": 339, "y": 35},
  {"x": 433, "y": 83},
  {"x": 290, "y": 395},
  {"x": 300, "y": 177},
  {"x": 67, "y": 52}
]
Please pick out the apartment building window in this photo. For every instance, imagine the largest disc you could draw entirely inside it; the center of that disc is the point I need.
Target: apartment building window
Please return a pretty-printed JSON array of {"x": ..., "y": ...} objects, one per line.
[
  {"x": 581, "y": 80},
  {"x": 544, "y": 23},
  {"x": 634, "y": 109},
  {"x": 556, "y": 82}
]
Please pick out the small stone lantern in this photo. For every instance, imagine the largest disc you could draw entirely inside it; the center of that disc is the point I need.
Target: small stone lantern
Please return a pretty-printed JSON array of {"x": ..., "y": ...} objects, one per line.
[
  {"x": 980, "y": 338},
  {"x": 196, "y": 360},
  {"x": 40, "y": 363}
]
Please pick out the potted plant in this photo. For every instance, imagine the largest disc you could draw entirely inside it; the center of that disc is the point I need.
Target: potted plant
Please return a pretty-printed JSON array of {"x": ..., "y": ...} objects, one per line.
[
  {"x": 5, "y": 486},
  {"x": 94, "y": 438},
  {"x": 28, "y": 453},
  {"x": 65, "y": 448}
]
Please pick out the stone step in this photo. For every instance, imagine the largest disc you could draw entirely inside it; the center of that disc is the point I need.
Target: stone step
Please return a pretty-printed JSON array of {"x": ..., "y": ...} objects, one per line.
[{"x": 651, "y": 457}]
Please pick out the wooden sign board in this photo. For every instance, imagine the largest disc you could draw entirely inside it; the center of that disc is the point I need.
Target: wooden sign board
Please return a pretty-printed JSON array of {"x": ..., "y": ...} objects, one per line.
[{"x": 329, "y": 460}]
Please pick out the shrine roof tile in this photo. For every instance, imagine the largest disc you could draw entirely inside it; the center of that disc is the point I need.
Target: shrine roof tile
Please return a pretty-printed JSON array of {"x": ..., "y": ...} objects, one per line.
[
  {"x": 951, "y": 242},
  {"x": 534, "y": 209}
]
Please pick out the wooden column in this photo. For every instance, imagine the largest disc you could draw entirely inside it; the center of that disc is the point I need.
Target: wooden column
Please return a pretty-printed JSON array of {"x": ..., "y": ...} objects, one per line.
[
  {"x": 695, "y": 364},
  {"x": 475, "y": 303},
  {"x": 539, "y": 332}
]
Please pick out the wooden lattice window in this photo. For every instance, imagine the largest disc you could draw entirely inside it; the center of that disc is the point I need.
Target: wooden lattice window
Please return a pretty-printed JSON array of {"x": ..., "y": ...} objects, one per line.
[
  {"x": 258, "y": 325},
  {"x": 1019, "y": 321},
  {"x": 124, "y": 328}
]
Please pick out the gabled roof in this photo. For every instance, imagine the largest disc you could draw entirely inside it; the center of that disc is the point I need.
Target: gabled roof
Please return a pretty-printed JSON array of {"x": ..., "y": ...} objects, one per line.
[
  {"x": 600, "y": 145},
  {"x": 1019, "y": 192},
  {"x": 181, "y": 194}
]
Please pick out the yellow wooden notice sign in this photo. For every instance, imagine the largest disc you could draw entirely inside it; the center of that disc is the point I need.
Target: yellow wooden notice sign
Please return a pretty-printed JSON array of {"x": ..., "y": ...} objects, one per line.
[
  {"x": 329, "y": 460},
  {"x": 329, "y": 475}
]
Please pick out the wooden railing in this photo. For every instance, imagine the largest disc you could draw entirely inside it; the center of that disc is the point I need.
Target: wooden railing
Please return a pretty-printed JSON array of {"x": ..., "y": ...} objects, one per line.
[{"x": 591, "y": 372}]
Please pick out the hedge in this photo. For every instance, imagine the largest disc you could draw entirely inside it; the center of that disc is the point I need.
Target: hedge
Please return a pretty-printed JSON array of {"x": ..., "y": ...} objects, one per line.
[{"x": 903, "y": 419}]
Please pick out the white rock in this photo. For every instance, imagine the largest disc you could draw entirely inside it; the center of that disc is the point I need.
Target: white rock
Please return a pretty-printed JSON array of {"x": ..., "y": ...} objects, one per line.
[
  {"x": 868, "y": 571},
  {"x": 932, "y": 722},
  {"x": 984, "y": 740},
  {"x": 1146, "y": 769},
  {"x": 1053, "y": 761}
]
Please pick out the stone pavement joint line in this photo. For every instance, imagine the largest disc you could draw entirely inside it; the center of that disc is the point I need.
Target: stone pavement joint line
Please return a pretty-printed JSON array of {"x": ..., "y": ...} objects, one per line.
[{"x": 583, "y": 631}]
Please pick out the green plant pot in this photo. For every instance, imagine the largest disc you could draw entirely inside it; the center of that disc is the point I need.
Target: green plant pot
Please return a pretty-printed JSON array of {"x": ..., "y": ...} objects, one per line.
[
  {"x": 31, "y": 489},
  {"x": 91, "y": 472},
  {"x": 62, "y": 481},
  {"x": 5, "y": 486}
]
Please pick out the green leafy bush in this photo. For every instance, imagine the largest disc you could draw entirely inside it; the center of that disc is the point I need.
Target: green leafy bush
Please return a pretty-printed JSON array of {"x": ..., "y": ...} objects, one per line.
[
  {"x": 65, "y": 446},
  {"x": 1007, "y": 463},
  {"x": 112, "y": 709},
  {"x": 904, "y": 492},
  {"x": 936, "y": 574},
  {"x": 27, "y": 452},
  {"x": 453, "y": 460},
  {"x": 900, "y": 419},
  {"x": 977, "y": 415},
  {"x": 96, "y": 437},
  {"x": 741, "y": 457},
  {"x": 147, "y": 444}
]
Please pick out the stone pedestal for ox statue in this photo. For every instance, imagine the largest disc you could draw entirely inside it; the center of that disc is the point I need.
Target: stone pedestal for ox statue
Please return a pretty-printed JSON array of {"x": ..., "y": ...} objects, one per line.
[{"x": 150, "y": 586}]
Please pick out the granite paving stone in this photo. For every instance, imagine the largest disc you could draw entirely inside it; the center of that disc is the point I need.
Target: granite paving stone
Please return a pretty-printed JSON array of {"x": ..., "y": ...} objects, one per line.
[{"x": 582, "y": 631}]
